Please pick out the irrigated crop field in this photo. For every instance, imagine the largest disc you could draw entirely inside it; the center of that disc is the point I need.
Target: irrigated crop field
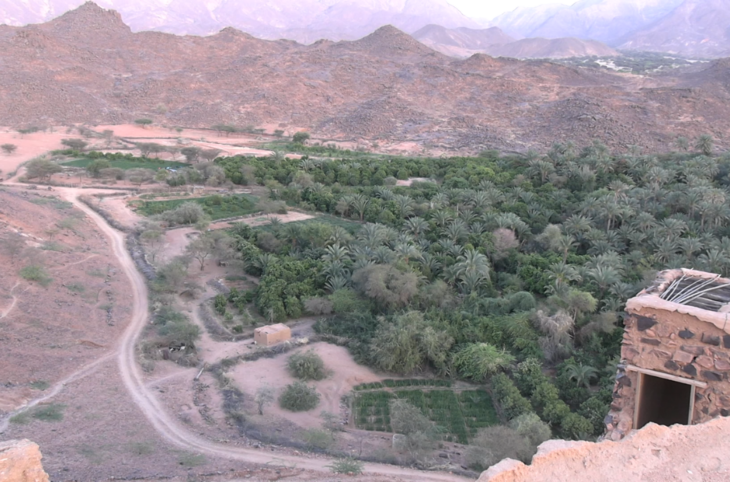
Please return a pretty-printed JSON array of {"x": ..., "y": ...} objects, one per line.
[
  {"x": 217, "y": 207},
  {"x": 459, "y": 413}
]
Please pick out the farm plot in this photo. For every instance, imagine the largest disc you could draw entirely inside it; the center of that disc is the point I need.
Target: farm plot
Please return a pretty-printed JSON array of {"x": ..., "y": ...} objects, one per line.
[
  {"x": 131, "y": 163},
  {"x": 216, "y": 206},
  {"x": 460, "y": 414}
]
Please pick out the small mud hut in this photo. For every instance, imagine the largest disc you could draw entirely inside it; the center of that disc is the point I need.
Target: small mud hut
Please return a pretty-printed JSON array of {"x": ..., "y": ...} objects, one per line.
[
  {"x": 271, "y": 334},
  {"x": 675, "y": 357}
]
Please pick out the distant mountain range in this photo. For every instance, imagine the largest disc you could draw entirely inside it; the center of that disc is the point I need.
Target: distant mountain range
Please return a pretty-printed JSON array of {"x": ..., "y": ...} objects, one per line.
[
  {"x": 302, "y": 20},
  {"x": 686, "y": 27},
  {"x": 464, "y": 42}
]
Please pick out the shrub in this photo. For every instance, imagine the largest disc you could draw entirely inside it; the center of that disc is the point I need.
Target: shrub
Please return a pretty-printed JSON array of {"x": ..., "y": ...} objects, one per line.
[
  {"x": 509, "y": 398},
  {"x": 307, "y": 366},
  {"x": 349, "y": 466},
  {"x": 299, "y": 397},
  {"x": 220, "y": 303},
  {"x": 37, "y": 274},
  {"x": 493, "y": 444},
  {"x": 318, "y": 439},
  {"x": 49, "y": 413},
  {"x": 480, "y": 360}
]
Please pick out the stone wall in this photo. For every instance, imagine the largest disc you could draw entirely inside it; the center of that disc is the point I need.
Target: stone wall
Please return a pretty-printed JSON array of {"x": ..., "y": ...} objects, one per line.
[{"x": 677, "y": 344}]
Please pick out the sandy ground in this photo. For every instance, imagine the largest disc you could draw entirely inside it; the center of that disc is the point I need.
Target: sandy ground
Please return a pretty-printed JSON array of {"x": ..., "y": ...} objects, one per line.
[
  {"x": 29, "y": 146},
  {"x": 249, "y": 376},
  {"x": 411, "y": 180}
]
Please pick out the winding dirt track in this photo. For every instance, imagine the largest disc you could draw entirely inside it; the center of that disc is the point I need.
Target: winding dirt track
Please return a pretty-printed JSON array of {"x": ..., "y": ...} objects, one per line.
[{"x": 166, "y": 426}]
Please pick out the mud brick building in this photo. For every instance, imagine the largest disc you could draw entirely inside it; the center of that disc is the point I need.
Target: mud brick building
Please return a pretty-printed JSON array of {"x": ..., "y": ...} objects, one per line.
[
  {"x": 675, "y": 357},
  {"x": 271, "y": 334}
]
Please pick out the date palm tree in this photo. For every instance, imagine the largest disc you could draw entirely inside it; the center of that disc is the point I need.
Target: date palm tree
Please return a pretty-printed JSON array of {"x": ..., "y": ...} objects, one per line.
[
  {"x": 416, "y": 226},
  {"x": 359, "y": 204},
  {"x": 581, "y": 374},
  {"x": 472, "y": 268}
]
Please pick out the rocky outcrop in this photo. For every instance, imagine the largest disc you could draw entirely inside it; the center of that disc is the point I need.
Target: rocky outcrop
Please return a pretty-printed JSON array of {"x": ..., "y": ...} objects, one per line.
[
  {"x": 20, "y": 461},
  {"x": 652, "y": 454}
]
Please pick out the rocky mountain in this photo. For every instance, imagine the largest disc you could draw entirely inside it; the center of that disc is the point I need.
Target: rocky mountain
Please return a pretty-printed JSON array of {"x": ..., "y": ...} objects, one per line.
[
  {"x": 697, "y": 27},
  {"x": 559, "y": 48},
  {"x": 461, "y": 42},
  {"x": 301, "y": 20},
  {"x": 87, "y": 66},
  {"x": 609, "y": 21}
]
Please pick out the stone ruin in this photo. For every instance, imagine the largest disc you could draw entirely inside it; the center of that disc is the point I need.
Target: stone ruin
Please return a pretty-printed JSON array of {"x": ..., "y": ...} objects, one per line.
[{"x": 675, "y": 357}]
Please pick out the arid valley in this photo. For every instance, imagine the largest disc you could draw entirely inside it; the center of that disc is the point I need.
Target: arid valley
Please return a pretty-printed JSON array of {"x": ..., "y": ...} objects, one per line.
[{"x": 400, "y": 256}]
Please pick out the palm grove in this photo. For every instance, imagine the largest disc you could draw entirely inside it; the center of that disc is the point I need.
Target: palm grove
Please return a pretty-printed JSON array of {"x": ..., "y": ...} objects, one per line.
[{"x": 511, "y": 272}]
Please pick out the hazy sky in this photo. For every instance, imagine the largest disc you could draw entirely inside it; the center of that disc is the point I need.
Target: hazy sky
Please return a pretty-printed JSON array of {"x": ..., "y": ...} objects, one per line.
[{"x": 491, "y": 8}]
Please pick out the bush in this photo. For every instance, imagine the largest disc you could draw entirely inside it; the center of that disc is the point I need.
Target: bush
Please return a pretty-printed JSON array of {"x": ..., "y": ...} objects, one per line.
[
  {"x": 220, "y": 303},
  {"x": 349, "y": 466},
  {"x": 307, "y": 366},
  {"x": 493, "y": 444},
  {"x": 509, "y": 398},
  {"x": 187, "y": 213},
  {"x": 49, "y": 413},
  {"x": 318, "y": 439},
  {"x": 299, "y": 397},
  {"x": 37, "y": 274},
  {"x": 478, "y": 361}
]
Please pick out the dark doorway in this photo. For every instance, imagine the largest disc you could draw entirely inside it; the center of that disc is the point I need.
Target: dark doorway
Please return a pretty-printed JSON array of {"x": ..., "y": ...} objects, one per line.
[{"x": 664, "y": 402}]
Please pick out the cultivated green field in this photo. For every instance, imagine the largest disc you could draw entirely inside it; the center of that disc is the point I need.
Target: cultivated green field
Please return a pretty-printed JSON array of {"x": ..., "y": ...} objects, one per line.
[
  {"x": 350, "y": 226},
  {"x": 217, "y": 207},
  {"x": 130, "y": 163},
  {"x": 460, "y": 414}
]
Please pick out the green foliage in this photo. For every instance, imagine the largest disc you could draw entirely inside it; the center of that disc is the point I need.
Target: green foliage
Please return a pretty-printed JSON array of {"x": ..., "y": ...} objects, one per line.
[
  {"x": 41, "y": 169},
  {"x": 348, "y": 466},
  {"x": 317, "y": 439},
  {"x": 509, "y": 398},
  {"x": 214, "y": 207},
  {"x": 49, "y": 413},
  {"x": 306, "y": 366},
  {"x": 220, "y": 303},
  {"x": 478, "y": 361},
  {"x": 40, "y": 385},
  {"x": 407, "y": 344},
  {"x": 97, "y": 162},
  {"x": 36, "y": 273},
  {"x": 175, "y": 328},
  {"x": 458, "y": 415},
  {"x": 300, "y": 137},
  {"x": 299, "y": 397}
]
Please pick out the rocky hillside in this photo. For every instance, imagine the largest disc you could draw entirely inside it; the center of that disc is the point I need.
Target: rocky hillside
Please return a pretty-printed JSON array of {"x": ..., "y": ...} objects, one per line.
[{"x": 88, "y": 66}]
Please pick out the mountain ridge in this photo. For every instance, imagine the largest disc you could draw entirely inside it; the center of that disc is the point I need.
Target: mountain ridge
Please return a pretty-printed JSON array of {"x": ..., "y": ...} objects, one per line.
[{"x": 385, "y": 86}]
